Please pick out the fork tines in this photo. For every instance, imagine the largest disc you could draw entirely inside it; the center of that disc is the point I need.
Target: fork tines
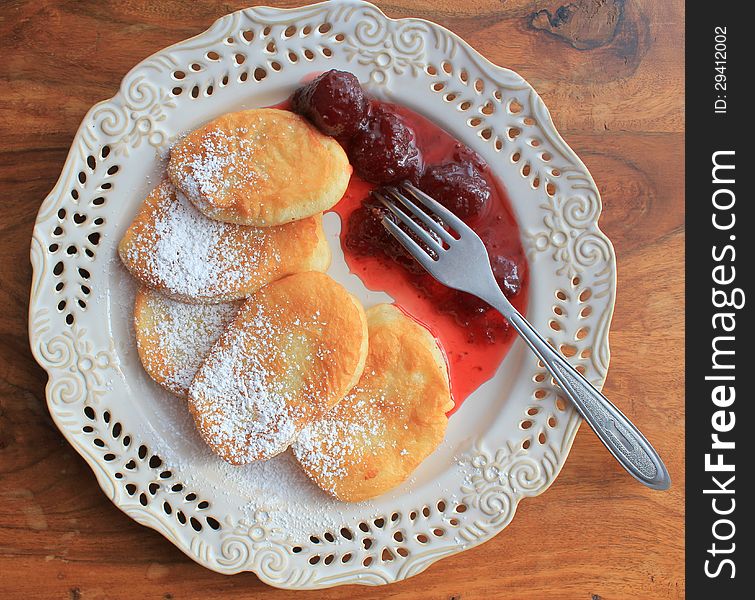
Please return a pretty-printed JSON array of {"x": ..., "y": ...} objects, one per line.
[{"x": 433, "y": 236}]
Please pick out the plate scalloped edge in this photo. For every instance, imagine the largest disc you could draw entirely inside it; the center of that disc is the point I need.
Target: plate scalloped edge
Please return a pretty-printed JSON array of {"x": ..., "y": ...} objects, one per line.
[{"x": 505, "y": 117}]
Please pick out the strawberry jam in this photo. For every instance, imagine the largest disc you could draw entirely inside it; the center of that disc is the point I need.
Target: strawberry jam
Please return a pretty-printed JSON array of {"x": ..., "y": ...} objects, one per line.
[{"x": 388, "y": 143}]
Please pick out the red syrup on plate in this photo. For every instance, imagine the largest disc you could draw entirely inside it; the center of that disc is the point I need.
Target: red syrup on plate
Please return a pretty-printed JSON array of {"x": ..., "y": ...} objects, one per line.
[{"x": 474, "y": 337}]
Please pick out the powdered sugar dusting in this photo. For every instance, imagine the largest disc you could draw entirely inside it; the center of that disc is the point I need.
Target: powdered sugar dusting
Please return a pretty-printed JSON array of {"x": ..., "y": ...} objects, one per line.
[
  {"x": 293, "y": 504},
  {"x": 248, "y": 410},
  {"x": 353, "y": 428},
  {"x": 218, "y": 164},
  {"x": 192, "y": 256},
  {"x": 183, "y": 335}
]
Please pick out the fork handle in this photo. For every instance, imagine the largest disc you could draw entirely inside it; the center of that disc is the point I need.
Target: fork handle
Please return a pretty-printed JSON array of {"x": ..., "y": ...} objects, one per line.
[{"x": 614, "y": 429}]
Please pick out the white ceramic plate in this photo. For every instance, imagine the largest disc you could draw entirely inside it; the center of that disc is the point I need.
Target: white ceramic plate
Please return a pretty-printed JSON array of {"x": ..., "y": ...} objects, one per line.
[{"x": 508, "y": 441}]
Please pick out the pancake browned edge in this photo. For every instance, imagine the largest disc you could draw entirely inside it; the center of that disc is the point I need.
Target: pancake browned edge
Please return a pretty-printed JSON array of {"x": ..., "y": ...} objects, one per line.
[
  {"x": 172, "y": 247},
  {"x": 391, "y": 420},
  {"x": 260, "y": 167},
  {"x": 295, "y": 349},
  {"x": 173, "y": 337}
]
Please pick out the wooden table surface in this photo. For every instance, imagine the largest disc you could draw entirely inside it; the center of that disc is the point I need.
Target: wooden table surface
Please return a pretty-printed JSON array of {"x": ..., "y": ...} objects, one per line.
[{"x": 611, "y": 72}]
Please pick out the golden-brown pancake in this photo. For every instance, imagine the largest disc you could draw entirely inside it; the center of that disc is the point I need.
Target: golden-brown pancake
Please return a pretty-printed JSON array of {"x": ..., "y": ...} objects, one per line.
[
  {"x": 391, "y": 420},
  {"x": 175, "y": 249},
  {"x": 173, "y": 337},
  {"x": 260, "y": 167},
  {"x": 295, "y": 349}
]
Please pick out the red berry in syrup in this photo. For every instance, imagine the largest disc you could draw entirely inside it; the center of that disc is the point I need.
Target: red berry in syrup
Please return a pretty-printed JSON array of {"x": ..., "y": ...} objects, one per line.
[
  {"x": 459, "y": 187},
  {"x": 366, "y": 234},
  {"x": 465, "y": 155},
  {"x": 507, "y": 274},
  {"x": 334, "y": 102},
  {"x": 385, "y": 150}
]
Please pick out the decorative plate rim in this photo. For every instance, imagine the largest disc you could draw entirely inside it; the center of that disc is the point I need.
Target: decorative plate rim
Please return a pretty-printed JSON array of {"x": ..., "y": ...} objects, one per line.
[{"x": 259, "y": 558}]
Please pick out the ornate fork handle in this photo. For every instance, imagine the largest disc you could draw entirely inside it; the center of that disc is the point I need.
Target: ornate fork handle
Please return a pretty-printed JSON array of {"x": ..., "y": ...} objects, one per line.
[{"x": 614, "y": 429}]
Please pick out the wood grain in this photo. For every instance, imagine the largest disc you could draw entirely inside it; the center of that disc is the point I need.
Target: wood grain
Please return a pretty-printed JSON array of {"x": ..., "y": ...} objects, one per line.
[{"x": 611, "y": 73}]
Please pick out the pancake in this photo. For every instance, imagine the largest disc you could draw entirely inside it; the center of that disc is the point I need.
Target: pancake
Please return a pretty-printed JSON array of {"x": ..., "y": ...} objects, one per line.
[
  {"x": 260, "y": 167},
  {"x": 175, "y": 249},
  {"x": 295, "y": 349},
  {"x": 173, "y": 337},
  {"x": 390, "y": 422}
]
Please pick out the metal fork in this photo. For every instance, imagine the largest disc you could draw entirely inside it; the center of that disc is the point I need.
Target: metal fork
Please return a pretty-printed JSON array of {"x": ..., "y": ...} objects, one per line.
[{"x": 462, "y": 263}]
